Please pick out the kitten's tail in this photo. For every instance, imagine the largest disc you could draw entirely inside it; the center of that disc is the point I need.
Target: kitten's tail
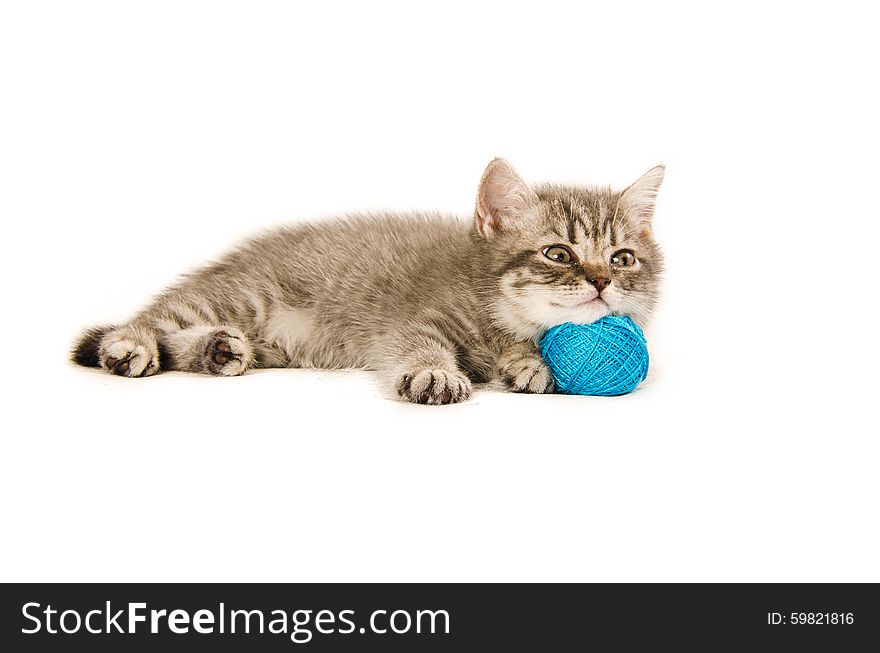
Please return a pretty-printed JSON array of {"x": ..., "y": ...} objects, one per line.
[{"x": 85, "y": 350}]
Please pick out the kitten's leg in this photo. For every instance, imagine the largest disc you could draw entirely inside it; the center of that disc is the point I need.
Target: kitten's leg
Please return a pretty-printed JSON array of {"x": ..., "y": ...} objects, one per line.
[
  {"x": 423, "y": 369},
  {"x": 523, "y": 369},
  {"x": 218, "y": 350}
]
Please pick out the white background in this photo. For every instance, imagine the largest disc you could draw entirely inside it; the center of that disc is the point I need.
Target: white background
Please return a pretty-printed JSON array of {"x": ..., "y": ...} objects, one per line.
[{"x": 139, "y": 140}]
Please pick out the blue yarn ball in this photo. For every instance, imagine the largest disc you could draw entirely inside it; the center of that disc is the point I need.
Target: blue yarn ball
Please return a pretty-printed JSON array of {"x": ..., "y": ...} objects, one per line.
[{"x": 608, "y": 357}]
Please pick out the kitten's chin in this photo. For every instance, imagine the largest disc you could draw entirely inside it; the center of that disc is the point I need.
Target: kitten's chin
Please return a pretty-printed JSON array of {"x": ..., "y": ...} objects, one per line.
[
  {"x": 587, "y": 312},
  {"x": 530, "y": 320}
]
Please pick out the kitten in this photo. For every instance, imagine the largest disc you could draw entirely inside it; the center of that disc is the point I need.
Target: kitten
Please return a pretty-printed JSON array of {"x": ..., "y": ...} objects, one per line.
[{"x": 431, "y": 301}]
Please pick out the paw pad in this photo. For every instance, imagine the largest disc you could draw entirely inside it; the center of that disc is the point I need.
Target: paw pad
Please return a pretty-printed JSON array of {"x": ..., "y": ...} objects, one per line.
[{"x": 226, "y": 355}]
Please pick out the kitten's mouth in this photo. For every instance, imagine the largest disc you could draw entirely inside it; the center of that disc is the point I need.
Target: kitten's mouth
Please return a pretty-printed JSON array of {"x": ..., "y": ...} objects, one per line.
[{"x": 592, "y": 303}]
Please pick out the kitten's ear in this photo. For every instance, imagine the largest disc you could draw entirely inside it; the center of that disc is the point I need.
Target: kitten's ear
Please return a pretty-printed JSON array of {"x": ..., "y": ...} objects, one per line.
[
  {"x": 502, "y": 199},
  {"x": 639, "y": 199}
]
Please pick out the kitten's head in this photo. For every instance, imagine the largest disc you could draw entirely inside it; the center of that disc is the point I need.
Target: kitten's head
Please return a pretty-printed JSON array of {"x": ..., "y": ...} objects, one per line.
[{"x": 567, "y": 253}]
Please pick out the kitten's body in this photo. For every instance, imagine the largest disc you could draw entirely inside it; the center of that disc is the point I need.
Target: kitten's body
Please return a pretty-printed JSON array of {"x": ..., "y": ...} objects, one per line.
[{"x": 432, "y": 301}]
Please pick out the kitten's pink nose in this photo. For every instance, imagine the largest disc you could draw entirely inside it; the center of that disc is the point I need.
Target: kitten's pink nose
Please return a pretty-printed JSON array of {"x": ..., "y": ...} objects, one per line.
[{"x": 600, "y": 282}]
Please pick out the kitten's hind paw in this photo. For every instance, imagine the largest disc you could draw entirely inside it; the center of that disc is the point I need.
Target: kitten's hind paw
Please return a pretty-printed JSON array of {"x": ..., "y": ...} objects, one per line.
[
  {"x": 434, "y": 386},
  {"x": 129, "y": 353}
]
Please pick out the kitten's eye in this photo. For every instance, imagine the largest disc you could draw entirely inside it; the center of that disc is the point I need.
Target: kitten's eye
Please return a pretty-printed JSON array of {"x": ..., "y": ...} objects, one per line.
[
  {"x": 623, "y": 259},
  {"x": 558, "y": 253}
]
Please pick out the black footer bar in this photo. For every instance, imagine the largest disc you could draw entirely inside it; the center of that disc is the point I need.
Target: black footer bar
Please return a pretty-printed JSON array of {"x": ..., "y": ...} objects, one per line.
[{"x": 429, "y": 617}]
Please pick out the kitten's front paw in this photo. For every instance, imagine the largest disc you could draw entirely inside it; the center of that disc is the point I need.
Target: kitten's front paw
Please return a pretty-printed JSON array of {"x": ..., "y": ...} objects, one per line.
[
  {"x": 227, "y": 353},
  {"x": 528, "y": 373},
  {"x": 434, "y": 386},
  {"x": 129, "y": 354}
]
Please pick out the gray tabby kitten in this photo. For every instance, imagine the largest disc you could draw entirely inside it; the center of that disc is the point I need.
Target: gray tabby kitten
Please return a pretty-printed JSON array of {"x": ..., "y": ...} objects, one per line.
[{"x": 431, "y": 301}]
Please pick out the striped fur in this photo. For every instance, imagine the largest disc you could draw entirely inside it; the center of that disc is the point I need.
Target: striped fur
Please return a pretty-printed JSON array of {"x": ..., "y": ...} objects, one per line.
[{"x": 433, "y": 302}]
